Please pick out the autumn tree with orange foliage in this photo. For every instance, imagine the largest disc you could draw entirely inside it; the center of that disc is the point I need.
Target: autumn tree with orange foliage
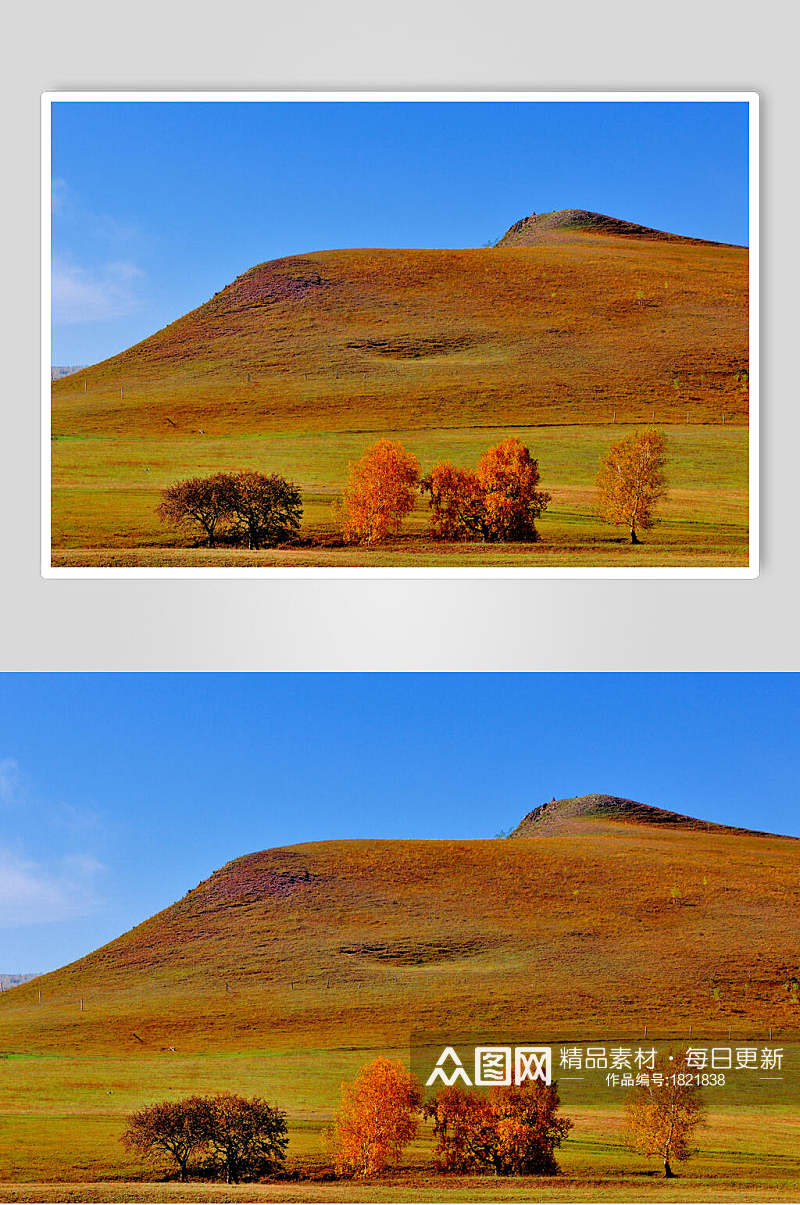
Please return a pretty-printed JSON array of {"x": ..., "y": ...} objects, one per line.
[
  {"x": 512, "y": 1131},
  {"x": 509, "y": 477},
  {"x": 499, "y": 501},
  {"x": 631, "y": 480},
  {"x": 378, "y": 1116},
  {"x": 662, "y": 1117},
  {"x": 380, "y": 492},
  {"x": 456, "y": 503}
]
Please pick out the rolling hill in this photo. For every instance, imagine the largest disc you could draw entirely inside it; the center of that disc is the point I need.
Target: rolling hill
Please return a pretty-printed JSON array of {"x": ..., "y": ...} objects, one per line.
[
  {"x": 571, "y": 316},
  {"x": 595, "y": 912}
]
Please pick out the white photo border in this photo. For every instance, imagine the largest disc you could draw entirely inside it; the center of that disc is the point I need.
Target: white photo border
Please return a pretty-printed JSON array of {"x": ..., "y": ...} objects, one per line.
[{"x": 749, "y": 97}]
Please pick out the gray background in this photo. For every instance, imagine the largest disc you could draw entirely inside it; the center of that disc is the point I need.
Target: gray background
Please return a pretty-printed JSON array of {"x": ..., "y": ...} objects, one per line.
[{"x": 399, "y": 624}]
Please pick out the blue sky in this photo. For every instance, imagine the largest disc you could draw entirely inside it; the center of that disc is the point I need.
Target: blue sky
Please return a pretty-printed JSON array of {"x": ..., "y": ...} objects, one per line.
[
  {"x": 118, "y": 793},
  {"x": 156, "y": 206}
]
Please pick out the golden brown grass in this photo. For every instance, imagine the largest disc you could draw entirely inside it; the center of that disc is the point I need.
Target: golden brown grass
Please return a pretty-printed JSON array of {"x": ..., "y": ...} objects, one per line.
[
  {"x": 389, "y": 339},
  {"x": 411, "y": 1187},
  {"x": 314, "y": 942}
]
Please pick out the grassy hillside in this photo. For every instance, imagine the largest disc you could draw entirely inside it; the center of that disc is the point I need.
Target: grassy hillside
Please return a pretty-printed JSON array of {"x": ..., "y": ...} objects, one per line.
[
  {"x": 328, "y": 939},
  {"x": 302, "y": 362},
  {"x": 288, "y": 969},
  {"x": 344, "y": 340}
]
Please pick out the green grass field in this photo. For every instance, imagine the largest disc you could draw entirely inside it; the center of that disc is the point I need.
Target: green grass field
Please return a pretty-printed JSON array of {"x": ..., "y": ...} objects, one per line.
[
  {"x": 106, "y": 489},
  {"x": 62, "y": 1117}
]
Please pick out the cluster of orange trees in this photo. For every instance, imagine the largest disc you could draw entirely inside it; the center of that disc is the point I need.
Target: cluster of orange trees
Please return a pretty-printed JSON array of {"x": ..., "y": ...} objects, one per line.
[
  {"x": 500, "y": 500},
  {"x": 509, "y": 1130}
]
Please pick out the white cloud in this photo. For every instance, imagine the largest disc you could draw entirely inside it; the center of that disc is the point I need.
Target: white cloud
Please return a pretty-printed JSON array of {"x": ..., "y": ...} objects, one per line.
[
  {"x": 61, "y": 884},
  {"x": 68, "y": 210},
  {"x": 113, "y": 230},
  {"x": 110, "y": 287},
  {"x": 9, "y": 780},
  {"x": 32, "y": 894},
  {"x": 123, "y": 269},
  {"x": 75, "y": 820},
  {"x": 59, "y": 196},
  {"x": 42, "y": 815},
  {"x": 93, "y": 295}
]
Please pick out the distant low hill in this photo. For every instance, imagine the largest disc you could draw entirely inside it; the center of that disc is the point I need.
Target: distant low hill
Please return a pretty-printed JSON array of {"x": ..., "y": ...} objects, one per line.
[
  {"x": 14, "y": 980},
  {"x": 618, "y": 915},
  {"x": 572, "y": 317},
  {"x": 57, "y": 371}
]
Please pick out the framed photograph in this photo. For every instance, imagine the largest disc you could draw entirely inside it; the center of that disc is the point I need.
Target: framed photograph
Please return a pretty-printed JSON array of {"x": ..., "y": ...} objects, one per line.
[{"x": 400, "y": 334}]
